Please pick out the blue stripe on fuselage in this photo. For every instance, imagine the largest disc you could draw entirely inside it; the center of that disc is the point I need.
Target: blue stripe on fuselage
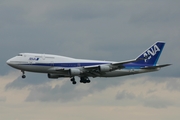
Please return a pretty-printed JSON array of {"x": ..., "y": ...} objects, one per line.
[{"x": 126, "y": 66}]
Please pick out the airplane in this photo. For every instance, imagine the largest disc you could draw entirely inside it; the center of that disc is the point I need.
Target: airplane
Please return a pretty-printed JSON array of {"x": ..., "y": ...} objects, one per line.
[{"x": 56, "y": 66}]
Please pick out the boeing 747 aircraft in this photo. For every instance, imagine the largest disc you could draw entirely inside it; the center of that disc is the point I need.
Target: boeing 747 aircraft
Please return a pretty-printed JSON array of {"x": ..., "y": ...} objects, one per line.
[{"x": 56, "y": 66}]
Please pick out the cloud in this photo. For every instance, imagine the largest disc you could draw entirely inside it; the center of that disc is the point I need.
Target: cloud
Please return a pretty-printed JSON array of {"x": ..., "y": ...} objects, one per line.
[
  {"x": 173, "y": 84},
  {"x": 156, "y": 102},
  {"x": 149, "y": 93},
  {"x": 124, "y": 95},
  {"x": 2, "y": 99},
  {"x": 46, "y": 93},
  {"x": 35, "y": 79},
  {"x": 151, "y": 101},
  {"x": 66, "y": 92},
  {"x": 131, "y": 94}
]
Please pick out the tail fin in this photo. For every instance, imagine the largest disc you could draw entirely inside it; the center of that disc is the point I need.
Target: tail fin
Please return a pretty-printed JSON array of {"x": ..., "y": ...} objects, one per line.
[{"x": 152, "y": 54}]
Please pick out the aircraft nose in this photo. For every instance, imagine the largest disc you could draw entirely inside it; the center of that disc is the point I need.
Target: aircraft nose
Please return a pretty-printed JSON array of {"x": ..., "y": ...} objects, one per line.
[
  {"x": 8, "y": 62},
  {"x": 12, "y": 62}
]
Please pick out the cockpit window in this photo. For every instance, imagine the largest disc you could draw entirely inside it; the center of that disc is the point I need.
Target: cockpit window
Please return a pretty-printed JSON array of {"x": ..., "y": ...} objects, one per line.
[{"x": 20, "y": 54}]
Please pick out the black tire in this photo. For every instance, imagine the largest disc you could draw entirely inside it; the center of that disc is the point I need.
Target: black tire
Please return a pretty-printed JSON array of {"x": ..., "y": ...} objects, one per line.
[
  {"x": 72, "y": 79},
  {"x": 23, "y": 76},
  {"x": 74, "y": 82},
  {"x": 88, "y": 81}
]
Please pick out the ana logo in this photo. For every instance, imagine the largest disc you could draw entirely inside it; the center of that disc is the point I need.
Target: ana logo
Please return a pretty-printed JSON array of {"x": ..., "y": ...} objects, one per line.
[
  {"x": 151, "y": 52},
  {"x": 35, "y": 59}
]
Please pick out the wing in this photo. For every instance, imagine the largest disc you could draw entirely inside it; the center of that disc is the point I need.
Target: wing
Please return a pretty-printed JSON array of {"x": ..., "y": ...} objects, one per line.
[
  {"x": 97, "y": 70},
  {"x": 94, "y": 70},
  {"x": 113, "y": 65}
]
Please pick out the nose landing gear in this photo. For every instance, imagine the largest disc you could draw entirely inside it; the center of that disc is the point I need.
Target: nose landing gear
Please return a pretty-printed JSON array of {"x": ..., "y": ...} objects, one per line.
[{"x": 23, "y": 74}]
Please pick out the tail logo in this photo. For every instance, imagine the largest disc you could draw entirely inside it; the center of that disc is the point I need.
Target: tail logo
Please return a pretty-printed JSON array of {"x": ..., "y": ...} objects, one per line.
[{"x": 151, "y": 52}]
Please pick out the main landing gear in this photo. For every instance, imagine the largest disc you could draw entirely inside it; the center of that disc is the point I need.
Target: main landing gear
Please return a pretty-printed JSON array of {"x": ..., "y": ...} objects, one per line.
[
  {"x": 23, "y": 74},
  {"x": 73, "y": 80},
  {"x": 82, "y": 80}
]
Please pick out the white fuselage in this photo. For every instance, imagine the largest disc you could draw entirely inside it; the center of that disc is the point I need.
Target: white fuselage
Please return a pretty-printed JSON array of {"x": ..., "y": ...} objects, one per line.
[{"x": 46, "y": 63}]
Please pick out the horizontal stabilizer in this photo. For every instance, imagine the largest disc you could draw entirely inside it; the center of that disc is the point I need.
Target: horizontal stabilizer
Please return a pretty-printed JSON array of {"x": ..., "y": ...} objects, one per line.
[{"x": 155, "y": 67}]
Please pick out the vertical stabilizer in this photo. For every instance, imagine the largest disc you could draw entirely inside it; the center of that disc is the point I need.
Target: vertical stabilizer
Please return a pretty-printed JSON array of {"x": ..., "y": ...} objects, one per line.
[{"x": 152, "y": 54}]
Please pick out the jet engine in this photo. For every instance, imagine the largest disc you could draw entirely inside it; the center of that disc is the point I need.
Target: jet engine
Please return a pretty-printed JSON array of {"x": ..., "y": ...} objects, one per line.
[
  {"x": 53, "y": 76},
  {"x": 74, "y": 72},
  {"x": 104, "y": 68}
]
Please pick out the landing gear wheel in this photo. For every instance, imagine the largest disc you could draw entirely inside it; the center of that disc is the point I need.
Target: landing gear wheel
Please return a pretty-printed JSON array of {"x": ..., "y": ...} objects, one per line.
[
  {"x": 84, "y": 80},
  {"x": 23, "y": 76},
  {"x": 74, "y": 82},
  {"x": 72, "y": 79},
  {"x": 88, "y": 81}
]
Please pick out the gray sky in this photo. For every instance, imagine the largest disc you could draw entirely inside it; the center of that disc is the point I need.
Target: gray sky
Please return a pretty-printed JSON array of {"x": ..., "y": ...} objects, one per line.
[{"x": 97, "y": 29}]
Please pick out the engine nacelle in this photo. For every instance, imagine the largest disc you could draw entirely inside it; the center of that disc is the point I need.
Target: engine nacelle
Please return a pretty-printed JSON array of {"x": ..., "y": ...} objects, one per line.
[
  {"x": 104, "y": 68},
  {"x": 74, "y": 72},
  {"x": 54, "y": 76}
]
